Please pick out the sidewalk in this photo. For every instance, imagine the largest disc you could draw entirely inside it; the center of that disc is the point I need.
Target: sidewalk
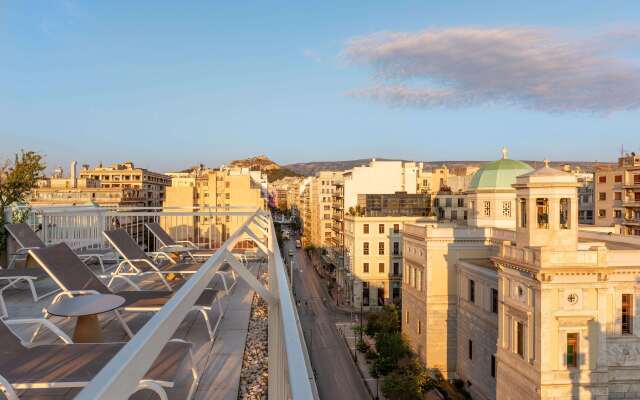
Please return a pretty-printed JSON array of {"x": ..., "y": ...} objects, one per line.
[{"x": 351, "y": 339}]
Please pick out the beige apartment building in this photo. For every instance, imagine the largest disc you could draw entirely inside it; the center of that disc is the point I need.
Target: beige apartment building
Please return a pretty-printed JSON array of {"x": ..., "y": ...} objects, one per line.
[
  {"x": 373, "y": 258},
  {"x": 151, "y": 185},
  {"x": 224, "y": 189},
  {"x": 58, "y": 190},
  {"x": 617, "y": 196},
  {"x": 321, "y": 190},
  {"x": 537, "y": 311}
]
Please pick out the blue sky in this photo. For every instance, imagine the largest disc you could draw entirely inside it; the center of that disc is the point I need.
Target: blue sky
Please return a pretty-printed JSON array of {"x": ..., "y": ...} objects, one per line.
[{"x": 173, "y": 84}]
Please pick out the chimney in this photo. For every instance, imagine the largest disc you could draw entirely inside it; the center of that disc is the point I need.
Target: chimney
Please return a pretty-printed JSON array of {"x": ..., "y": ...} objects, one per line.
[{"x": 72, "y": 174}]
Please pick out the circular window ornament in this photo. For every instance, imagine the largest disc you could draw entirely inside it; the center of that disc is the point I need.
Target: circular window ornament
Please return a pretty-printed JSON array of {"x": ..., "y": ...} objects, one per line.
[{"x": 572, "y": 298}]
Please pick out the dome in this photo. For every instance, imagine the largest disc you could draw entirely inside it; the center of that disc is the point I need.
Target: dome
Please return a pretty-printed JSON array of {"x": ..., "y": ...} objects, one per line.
[{"x": 500, "y": 174}]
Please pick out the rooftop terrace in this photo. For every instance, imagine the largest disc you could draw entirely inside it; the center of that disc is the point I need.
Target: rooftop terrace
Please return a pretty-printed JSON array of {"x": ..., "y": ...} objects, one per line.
[{"x": 252, "y": 253}]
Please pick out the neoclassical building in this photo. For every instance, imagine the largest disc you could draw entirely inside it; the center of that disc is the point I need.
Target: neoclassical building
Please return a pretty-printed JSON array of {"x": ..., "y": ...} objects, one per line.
[{"x": 529, "y": 309}]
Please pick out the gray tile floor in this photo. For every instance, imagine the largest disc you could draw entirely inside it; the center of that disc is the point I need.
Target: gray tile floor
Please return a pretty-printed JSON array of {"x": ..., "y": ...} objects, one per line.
[{"x": 219, "y": 363}]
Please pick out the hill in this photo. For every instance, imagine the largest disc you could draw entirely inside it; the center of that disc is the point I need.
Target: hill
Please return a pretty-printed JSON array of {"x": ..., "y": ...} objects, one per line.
[{"x": 263, "y": 163}]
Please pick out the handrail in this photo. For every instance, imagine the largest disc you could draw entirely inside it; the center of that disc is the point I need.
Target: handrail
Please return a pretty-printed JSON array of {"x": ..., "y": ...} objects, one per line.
[
  {"x": 301, "y": 380},
  {"x": 121, "y": 376}
]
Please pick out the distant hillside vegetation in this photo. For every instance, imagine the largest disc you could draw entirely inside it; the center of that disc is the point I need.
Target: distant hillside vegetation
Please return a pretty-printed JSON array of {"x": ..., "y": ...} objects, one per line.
[{"x": 263, "y": 163}]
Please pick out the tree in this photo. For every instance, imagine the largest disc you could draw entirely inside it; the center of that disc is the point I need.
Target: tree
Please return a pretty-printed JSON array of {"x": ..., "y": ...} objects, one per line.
[
  {"x": 391, "y": 349},
  {"x": 17, "y": 178},
  {"x": 399, "y": 386},
  {"x": 386, "y": 320}
]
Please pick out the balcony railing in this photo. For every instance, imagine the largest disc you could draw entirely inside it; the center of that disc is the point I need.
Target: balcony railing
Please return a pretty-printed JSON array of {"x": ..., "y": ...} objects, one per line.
[{"x": 290, "y": 372}]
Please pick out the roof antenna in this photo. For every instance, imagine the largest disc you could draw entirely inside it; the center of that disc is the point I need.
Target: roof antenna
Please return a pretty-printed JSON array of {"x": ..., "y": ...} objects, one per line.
[{"x": 546, "y": 163}]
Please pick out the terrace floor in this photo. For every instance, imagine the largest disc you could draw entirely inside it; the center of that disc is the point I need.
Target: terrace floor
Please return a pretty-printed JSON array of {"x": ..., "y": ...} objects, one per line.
[{"x": 219, "y": 363}]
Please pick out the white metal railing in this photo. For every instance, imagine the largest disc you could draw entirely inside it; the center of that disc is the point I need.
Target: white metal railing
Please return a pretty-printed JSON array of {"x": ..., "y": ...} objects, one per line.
[
  {"x": 290, "y": 372},
  {"x": 82, "y": 227}
]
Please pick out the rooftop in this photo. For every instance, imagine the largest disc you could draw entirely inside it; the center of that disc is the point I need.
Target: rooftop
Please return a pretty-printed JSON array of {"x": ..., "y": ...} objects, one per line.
[{"x": 224, "y": 364}]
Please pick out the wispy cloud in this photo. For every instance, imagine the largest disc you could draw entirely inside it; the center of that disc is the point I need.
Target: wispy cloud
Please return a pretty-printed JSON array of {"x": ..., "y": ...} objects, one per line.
[
  {"x": 527, "y": 67},
  {"x": 312, "y": 55}
]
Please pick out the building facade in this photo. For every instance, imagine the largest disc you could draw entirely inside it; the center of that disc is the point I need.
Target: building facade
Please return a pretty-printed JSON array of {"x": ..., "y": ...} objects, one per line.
[
  {"x": 205, "y": 188},
  {"x": 58, "y": 190},
  {"x": 151, "y": 185},
  {"x": 617, "y": 195},
  {"x": 541, "y": 311},
  {"x": 373, "y": 258}
]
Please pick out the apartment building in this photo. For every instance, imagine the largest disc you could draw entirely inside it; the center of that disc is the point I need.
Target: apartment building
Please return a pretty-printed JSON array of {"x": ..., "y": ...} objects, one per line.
[
  {"x": 322, "y": 188},
  {"x": 58, "y": 190},
  {"x": 151, "y": 185},
  {"x": 222, "y": 188},
  {"x": 617, "y": 195},
  {"x": 539, "y": 310},
  {"x": 373, "y": 258}
]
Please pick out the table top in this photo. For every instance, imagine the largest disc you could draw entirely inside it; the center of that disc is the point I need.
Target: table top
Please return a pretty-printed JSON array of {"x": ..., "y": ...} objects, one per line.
[{"x": 86, "y": 305}]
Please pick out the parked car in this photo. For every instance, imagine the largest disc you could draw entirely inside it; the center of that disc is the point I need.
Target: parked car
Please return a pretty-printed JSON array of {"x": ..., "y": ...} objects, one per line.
[{"x": 298, "y": 244}]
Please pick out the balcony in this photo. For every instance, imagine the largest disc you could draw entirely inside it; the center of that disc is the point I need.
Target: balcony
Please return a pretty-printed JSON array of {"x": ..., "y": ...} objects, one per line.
[
  {"x": 631, "y": 203},
  {"x": 249, "y": 246}
]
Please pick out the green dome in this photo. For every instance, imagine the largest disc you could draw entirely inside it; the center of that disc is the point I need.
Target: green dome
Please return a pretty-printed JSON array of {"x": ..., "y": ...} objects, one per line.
[{"x": 499, "y": 174}]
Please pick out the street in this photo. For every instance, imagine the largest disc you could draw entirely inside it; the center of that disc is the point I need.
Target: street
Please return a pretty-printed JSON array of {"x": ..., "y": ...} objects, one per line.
[{"x": 337, "y": 376}]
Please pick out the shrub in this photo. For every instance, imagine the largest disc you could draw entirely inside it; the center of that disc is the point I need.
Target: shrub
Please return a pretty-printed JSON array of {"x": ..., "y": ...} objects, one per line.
[{"x": 371, "y": 355}]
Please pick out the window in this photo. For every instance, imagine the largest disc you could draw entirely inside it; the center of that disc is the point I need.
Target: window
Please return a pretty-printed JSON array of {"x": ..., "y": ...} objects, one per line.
[
  {"x": 381, "y": 268},
  {"x": 494, "y": 301},
  {"x": 406, "y": 318},
  {"x": 472, "y": 291},
  {"x": 602, "y": 196},
  {"x": 365, "y": 293},
  {"x": 627, "y": 314},
  {"x": 542, "y": 209},
  {"x": 419, "y": 327},
  {"x": 487, "y": 208},
  {"x": 381, "y": 248},
  {"x": 617, "y": 179},
  {"x": 396, "y": 228},
  {"x": 617, "y": 196},
  {"x": 365, "y": 248},
  {"x": 572, "y": 349},
  {"x": 565, "y": 213},
  {"x": 365, "y": 268},
  {"x": 506, "y": 208},
  {"x": 523, "y": 213},
  {"x": 454, "y": 215},
  {"x": 520, "y": 339},
  {"x": 602, "y": 179},
  {"x": 365, "y": 228},
  {"x": 493, "y": 366},
  {"x": 460, "y": 202},
  {"x": 396, "y": 268},
  {"x": 636, "y": 179},
  {"x": 636, "y": 196},
  {"x": 447, "y": 202},
  {"x": 602, "y": 213},
  {"x": 470, "y": 349},
  {"x": 381, "y": 228},
  {"x": 617, "y": 213},
  {"x": 396, "y": 248}
]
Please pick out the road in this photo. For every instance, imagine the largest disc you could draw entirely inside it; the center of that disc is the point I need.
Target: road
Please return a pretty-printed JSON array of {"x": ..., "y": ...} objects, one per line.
[{"x": 337, "y": 377}]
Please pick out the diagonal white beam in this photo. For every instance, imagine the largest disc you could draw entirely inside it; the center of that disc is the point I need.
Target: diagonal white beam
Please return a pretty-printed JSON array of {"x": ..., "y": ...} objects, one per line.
[{"x": 248, "y": 277}]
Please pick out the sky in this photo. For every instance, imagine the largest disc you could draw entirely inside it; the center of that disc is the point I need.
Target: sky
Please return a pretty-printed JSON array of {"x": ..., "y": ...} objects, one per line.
[{"x": 174, "y": 84}]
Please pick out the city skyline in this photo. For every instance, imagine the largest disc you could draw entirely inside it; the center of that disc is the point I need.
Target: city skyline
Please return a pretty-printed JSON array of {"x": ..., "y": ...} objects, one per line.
[{"x": 97, "y": 82}]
